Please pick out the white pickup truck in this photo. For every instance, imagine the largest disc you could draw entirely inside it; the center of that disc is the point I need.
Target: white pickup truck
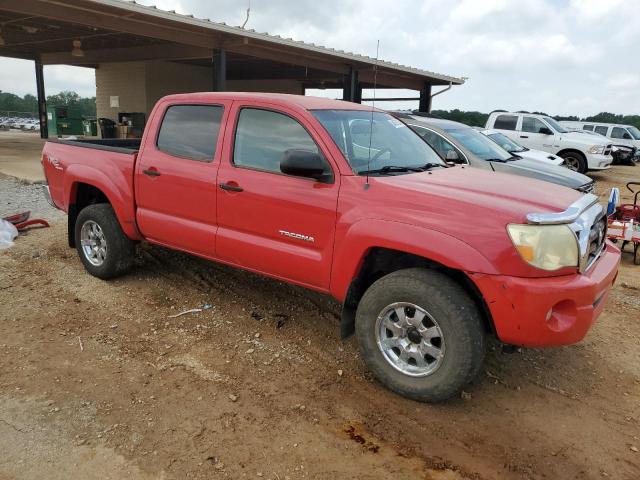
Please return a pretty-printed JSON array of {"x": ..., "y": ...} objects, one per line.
[{"x": 580, "y": 152}]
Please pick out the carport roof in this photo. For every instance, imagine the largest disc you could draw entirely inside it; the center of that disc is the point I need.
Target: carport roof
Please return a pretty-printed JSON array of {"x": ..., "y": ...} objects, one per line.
[{"x": 109, "y": 27}]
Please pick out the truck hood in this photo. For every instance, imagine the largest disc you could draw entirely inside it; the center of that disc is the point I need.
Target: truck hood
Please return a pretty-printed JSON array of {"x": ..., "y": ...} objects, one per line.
[
  {"x": 581, "y": 139},
  {"x": 471, "y": 205},
  {"x": 543, "y": 171},
  {"x": 540, "y": 156},
  {"x": 455, "y": 192}
]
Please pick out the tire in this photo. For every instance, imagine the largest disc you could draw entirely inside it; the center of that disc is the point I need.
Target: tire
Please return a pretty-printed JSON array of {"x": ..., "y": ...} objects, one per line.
[
  {"x": 103, "y": 230},
  {"x": 449, "y": 308},
  {"x": 575, "y": 161}
]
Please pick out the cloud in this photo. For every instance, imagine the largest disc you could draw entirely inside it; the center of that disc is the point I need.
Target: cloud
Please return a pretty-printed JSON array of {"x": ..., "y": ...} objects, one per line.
[
  {"x": 559, "y": 56},
  {"x": 625, "y": 81}
]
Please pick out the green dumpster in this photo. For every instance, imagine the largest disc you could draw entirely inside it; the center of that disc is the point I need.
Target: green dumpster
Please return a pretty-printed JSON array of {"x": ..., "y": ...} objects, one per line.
[{"x": 90, "y": 127}]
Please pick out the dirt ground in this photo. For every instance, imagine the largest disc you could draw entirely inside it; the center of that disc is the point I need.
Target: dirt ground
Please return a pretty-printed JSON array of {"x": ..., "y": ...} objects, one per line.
[
  {"x": 20, "y": 154},
  {"x": 97, "y": 381}
]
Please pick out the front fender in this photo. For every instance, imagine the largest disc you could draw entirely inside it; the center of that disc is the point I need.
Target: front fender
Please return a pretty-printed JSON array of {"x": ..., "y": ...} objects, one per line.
[
  {"x": 117, "y": 188},
  {"x": 352, "y": 248}
]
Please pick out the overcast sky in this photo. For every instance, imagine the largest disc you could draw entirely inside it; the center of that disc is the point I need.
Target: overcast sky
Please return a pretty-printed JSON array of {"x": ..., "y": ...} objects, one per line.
[{"x": 558, "y": 56}]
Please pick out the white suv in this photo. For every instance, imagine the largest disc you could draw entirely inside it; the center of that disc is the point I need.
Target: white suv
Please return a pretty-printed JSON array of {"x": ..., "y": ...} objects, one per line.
[
  {"x": 626, "y": 135},
  {"x": 580, "y": 152}
]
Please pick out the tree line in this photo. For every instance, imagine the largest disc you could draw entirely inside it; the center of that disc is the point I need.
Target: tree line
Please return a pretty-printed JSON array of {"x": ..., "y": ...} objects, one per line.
[
  {"x": 479, "y": 119},
  {"x": 28, "y": 104},
  {"x": 10, "y": 102}
]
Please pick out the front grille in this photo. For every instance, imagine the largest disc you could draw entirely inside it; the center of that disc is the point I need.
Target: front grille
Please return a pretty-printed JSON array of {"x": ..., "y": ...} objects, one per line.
[
  {"x": 597, "y": 237},
  {"x": 587, "y": 187},
  {"x": 607, "y": 150}
]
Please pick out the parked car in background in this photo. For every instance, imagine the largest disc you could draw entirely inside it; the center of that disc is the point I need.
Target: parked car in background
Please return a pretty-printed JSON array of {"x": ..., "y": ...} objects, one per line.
[
  {"x": 621, "y": 154},
  {"x": 459, "y": 143},
  {"x": 626, "y": 135},
  {"x": 541, "y": 132},
  {"x": 521, "y": 151},
  {"x": 344, "y": 199},
  {"x": 19, "y": 123}
]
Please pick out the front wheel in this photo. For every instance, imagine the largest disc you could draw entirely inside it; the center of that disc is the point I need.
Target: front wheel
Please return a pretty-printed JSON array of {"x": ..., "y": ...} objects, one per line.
[
  {"x": 420, "y": 334},
  {"x": 104, "y": 249},
  {"x": 575, "y": 161}
]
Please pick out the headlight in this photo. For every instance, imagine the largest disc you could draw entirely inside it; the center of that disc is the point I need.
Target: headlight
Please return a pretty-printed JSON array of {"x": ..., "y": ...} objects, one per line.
[
  {"x": 596, "y": 149},
  {"x": 548, "y": 247}
]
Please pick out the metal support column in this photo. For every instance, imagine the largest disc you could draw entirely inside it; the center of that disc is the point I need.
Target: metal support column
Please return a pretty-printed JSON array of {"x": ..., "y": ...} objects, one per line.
[
  {"x": 357, "y": 95},
  {"x": 350, "y": 85},
  {"x": 220, "y": 70},
  {"x": 42, "y": 101},
  {"x": 424, "y": 104}
]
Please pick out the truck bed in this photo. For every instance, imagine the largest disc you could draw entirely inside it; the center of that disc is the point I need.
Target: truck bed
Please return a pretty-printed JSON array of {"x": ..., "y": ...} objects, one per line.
[{"x": 129, "y": 145}]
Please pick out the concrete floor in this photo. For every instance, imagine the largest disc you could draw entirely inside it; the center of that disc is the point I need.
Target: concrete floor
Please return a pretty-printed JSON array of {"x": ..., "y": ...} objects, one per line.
[{"x": 20, "y": 155}]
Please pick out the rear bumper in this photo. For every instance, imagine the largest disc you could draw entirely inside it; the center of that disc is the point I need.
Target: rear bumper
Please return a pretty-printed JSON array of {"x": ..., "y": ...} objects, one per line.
[
  {"x": 47, "y": 195},
  {"x": 539, "y": 312}
]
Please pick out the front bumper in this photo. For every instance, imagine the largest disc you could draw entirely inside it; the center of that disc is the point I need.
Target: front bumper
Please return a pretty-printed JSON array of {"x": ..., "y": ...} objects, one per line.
[
  {"x": 599, "y": 161},
  {"x": 549, "y": 311}
]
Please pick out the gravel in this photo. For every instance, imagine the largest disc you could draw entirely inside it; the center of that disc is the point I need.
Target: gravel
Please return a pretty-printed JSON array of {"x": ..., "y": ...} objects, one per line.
[{"x": 18, "y": 196}]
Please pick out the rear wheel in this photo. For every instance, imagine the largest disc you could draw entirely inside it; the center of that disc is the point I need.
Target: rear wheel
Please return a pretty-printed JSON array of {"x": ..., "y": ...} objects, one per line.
[
  {"x": 105, "y": 251},
  {"x": 420, "y": 334},
  {"x": 575, "y": 161}
]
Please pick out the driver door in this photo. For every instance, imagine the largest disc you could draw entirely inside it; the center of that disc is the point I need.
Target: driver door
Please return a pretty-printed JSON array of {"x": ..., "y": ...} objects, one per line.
[
  {"x": 269, "y": 222},
  {"x": 531, "y": 136}
]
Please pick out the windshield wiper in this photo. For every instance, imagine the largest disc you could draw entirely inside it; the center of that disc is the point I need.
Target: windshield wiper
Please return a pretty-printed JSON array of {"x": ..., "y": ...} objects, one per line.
[
  {"x": 504, "y": 160},
  {"x": 429, "y": 166},
  {"x": 401, "y": 169},
  {"x": 391, "y": 169}
]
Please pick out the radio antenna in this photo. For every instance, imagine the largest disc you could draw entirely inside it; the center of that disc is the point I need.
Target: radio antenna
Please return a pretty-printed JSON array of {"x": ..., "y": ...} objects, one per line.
[
  {"x": 373, "y": 106},
  {"x": 248, "y": 13}
]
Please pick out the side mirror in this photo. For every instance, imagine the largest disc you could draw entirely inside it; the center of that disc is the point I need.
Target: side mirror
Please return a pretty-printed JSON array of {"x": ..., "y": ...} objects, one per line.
[
  {"x": 303, "y": 163},
  {"x": 626, "y": 136},
  {"x": 452, "y": 156},
  {"x": 545, "y": 131}
]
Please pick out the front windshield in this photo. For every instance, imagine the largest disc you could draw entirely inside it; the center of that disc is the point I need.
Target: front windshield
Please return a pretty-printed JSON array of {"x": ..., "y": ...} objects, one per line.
[
  {"x": 480, "y": 145},
  {"x": 375, "y": 140},
  {"x": 555, "y": 125},
  {"x": 635, "y": 133},
  {"x": 506, "y": 143}
]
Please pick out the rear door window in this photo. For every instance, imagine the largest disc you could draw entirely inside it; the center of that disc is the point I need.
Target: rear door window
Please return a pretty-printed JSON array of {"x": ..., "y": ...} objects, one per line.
[
  {"x": 506, "y": 122},
  {"x": 190, "y": 131},
  {"x": 588, "y": 127},
  {"x": 602, "y": 130}
]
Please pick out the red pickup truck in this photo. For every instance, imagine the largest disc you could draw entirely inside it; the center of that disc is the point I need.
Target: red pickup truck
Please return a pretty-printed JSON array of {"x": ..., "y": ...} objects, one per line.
[{"x": 427, "y": 259}]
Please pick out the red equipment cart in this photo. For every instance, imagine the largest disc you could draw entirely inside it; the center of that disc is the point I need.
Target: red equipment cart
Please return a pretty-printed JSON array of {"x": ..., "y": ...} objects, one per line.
[{"x": 624, "y": 224}]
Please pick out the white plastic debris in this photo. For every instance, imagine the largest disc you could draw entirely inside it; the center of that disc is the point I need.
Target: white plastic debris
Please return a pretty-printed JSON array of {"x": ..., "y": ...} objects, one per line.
[{"x": 8, "y": 233}]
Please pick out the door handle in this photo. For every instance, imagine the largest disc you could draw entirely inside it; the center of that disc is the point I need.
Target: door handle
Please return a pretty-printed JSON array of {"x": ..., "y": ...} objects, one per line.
[
  {"x": 524, "y": 136},
  {"x": 152, "y": 172},
  {"x": 230, "y": 187}
]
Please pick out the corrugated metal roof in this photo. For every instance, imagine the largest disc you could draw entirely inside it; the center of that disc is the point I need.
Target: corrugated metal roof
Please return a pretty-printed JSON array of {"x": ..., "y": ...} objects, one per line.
[{"x": 222, "y": 27}]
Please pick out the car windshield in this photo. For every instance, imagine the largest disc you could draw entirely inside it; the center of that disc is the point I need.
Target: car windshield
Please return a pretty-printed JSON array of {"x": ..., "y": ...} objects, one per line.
[
  {"x": 480, "y": 145},
  {"x": 555, "y": 125},
  {"x": 635, "y": 133},
  {"x": 377, "y": 141},
  {"x": 506, "y": 143}
]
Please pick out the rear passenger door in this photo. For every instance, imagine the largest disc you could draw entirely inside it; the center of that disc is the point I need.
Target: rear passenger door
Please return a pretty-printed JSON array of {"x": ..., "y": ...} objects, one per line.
[
  {"x": 507, "y": 124},
  {"x": 175, "y": 180},
  {"x": 278, "y": 224}
]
